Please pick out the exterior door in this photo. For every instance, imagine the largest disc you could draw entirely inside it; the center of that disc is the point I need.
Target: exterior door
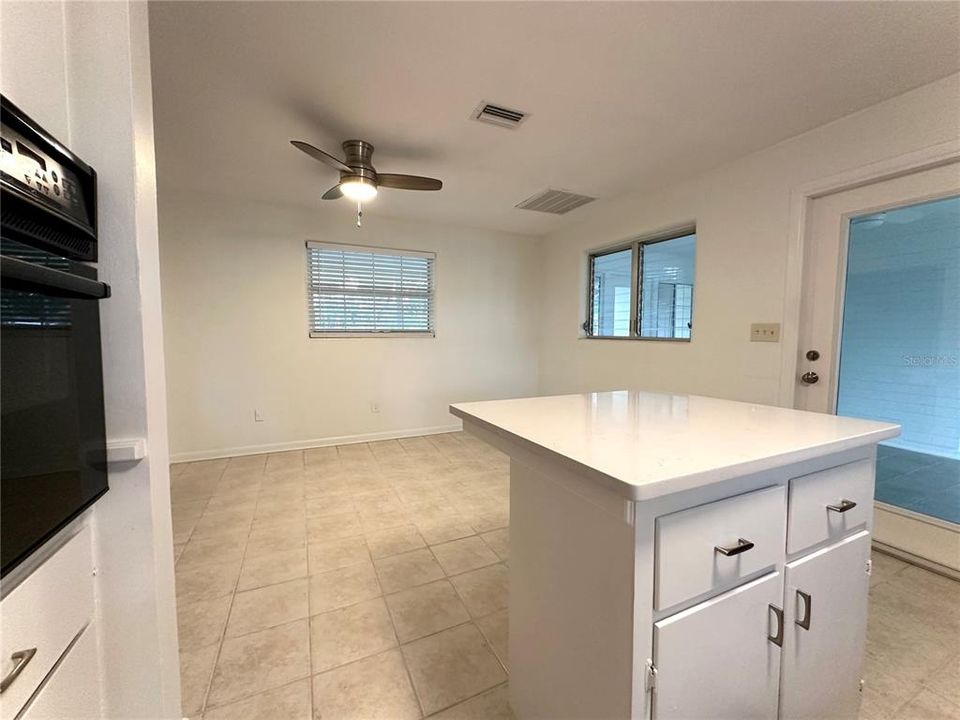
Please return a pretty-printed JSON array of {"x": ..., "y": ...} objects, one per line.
[
  {"x": 716, "y": 660},
  {"x": 825, "y": 611},
  {"x": 880, "y": 339}
]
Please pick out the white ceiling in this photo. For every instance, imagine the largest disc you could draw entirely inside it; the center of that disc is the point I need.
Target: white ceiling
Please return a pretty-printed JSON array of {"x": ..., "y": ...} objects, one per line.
[{"x": 620, "y": 95}]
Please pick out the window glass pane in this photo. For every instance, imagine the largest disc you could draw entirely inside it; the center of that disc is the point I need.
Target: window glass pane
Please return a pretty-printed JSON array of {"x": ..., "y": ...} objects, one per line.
[
  {"x": 666, "y": 288},
  {"x": 611, "y": 294}
]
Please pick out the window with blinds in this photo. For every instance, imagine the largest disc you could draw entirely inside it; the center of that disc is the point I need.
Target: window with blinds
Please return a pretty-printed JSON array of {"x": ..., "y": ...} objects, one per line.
[
  {"x": 355, "y": 290},
  {"x": 643, "y": 290}
]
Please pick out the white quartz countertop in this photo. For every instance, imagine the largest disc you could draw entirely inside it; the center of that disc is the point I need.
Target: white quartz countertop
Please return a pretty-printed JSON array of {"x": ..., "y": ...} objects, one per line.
[{"x": 645, "y": 445}]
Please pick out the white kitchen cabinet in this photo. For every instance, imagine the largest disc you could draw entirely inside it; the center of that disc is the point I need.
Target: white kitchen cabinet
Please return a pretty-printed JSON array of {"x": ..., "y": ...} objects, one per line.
[
  {"x": 826, "y": 625},
  {"x": 73, "y": 690},
  {"x": 727, "y": 648},
  {"x": 659, "y": 544}
]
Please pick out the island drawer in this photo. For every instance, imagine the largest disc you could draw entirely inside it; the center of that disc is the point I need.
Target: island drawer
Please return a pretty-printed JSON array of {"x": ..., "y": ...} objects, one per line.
[
  {"x": 714, "y": 547},
  {"x": 828, "y": 505}
]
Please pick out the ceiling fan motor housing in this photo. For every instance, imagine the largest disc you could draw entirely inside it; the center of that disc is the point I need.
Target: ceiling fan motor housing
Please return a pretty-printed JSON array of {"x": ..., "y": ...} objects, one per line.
[{"x": 358, "y": 157}]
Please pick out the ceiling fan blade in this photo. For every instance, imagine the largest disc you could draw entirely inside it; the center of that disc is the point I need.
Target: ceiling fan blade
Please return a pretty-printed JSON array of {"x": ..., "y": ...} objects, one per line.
[
  {"x": 333, "y": 193},
  {"x": 318, "y": 154},
  {"x": 408, "y": 182}
]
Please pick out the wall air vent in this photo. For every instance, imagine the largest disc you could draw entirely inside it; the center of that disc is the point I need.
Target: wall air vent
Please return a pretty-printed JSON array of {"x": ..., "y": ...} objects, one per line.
[
  {"x": 557, "y": 202},
  {"x": 499, "y": 115}
]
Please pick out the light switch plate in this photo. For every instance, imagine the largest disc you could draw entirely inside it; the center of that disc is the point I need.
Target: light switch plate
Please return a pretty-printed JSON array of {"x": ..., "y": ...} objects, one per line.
[{"x": 765, "y": 332}]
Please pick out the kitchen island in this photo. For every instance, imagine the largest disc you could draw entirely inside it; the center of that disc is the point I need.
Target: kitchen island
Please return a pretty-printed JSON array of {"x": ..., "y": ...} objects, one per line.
[{"x": 677, "y": 556}]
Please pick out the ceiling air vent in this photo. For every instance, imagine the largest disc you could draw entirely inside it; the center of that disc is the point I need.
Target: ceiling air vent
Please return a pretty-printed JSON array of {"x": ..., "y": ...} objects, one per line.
[
  {"x": 557, "y": 202},
  {"x": 499, "y": 115}
]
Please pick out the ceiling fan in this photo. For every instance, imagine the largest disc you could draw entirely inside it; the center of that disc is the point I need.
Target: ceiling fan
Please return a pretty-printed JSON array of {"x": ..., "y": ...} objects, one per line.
[{"x": 359, "y": 180}]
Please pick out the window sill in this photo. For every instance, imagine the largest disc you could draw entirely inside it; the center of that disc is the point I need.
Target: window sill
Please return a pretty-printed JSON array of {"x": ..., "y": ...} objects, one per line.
[
  {"x": 634, "y": 339},
  {"x": 382, "y": 334}
]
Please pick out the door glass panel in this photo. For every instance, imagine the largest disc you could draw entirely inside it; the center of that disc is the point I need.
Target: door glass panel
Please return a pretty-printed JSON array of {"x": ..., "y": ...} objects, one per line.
[{"x": 900, "y": 349}]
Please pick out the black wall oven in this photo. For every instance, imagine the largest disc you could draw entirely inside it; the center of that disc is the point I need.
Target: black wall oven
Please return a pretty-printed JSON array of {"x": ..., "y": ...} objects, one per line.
[{"x": 53, "y": 444}]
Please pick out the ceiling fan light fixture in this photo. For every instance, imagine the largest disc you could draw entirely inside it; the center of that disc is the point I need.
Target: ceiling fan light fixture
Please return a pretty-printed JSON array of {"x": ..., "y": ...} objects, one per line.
[{"x": 359, "y": 189}]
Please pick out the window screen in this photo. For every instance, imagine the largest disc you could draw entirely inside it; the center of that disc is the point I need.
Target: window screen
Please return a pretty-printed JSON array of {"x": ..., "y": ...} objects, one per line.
[{"x": 362, "y": 290}]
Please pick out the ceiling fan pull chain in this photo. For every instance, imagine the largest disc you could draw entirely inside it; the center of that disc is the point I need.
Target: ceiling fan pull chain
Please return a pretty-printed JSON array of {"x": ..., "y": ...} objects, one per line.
[{"x": 359, "y": 213}]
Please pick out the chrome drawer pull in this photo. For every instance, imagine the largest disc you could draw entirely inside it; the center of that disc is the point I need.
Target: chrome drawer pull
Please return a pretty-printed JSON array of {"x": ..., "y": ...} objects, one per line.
[
  {"x": 741, "y": 547},
  {"x": 804, "y": 621},
  {"x": 777, "y": 638},
  {"x": 843, "y": 506},
  {"x": 20, "y": 658}
]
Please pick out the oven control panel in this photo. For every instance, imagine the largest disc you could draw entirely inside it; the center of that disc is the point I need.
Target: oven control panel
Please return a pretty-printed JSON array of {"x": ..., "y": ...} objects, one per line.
[
  {"x": 49, "y": 194},
  {"x": 40, "y": 175}
]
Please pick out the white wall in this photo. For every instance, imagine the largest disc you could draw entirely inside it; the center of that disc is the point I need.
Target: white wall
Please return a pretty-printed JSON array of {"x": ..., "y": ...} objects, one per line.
[
  {"x": 742, "y": 213},
  {"x": 90, "y": 86},
  {"x": 235, "y": 320}
]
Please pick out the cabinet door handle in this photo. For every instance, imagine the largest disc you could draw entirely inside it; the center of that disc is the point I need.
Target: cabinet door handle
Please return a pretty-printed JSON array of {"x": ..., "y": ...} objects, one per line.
[
  {"x": 804, "y": 621},
  {"x": 20, "y": 659},
  {"x": 741, "y": 547},
  {"x": 777, "y": 638},
  {"x": 843, "y": 506}
]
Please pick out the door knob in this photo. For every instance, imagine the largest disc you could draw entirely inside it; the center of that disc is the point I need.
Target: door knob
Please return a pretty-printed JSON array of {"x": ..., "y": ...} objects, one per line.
[
  {"x": 813, "y": 355},
  {"x": 810, "y": 378}
]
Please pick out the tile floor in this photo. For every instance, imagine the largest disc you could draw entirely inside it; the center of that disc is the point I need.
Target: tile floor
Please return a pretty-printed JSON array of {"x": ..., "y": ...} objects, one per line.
[{"x": 370, "y": 581}]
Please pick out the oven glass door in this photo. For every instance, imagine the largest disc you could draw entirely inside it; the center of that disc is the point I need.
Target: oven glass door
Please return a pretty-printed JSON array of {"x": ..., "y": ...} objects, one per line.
[{"x": 53, "y": 452}]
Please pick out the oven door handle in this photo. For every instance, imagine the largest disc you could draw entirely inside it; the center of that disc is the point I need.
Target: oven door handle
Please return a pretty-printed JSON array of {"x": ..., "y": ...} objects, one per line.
[{"x": 32, "y": 277}]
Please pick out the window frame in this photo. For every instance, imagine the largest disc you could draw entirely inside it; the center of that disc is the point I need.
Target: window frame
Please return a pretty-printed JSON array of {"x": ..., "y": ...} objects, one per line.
[
  {"x": 377, "y": 250},
  {"x": 636, "y": 246}
]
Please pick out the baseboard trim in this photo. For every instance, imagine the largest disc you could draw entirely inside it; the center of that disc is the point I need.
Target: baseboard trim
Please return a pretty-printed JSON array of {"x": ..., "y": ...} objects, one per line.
[
  {"x": 909, "y": 557},
  {"x": 196, "y": 455}
]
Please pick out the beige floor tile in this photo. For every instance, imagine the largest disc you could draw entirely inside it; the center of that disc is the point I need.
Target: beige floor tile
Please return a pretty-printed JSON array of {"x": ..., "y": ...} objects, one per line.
[
  {"x": 459, "y": 556},
  {"x": 491, "y": 705},
  {"x": 178, "y": 551},
  {"x": 426, "y": 609},
  {"x": 212, "y": 550},
  {"x": 486, "y": 522},
  {"x": 337, "y": 554},
  {"x": 321, "y": 455},
  {"x": 333, "y": 527},
  {"x": 496, "y": 629},
  {"x": 280, "y": 462},
  {"x": 884, "y": 567},
  {"x": 376, "y": 688},
  {"x": 267, "y": 543},
  {"x": 337, "y": 588},
  {"x": 393, "y": 541},
  {"x": 206, "y": 582},
  {"x": 945, "y": 681},
  {"x": 927, "y": 705},
  {"x": 213, "y": 524},
  {"x": 351, "y": 633},
  {"x": 196, "y": 668},
  {"x": 384, "y": 521},
  {"x": 231, "y": 501},
  {"x": 200, "y": 624},
  {"x": 499, "y": 542},
  {"x": 278, "y": 567},
  {"x": 435, "y": 532},
  {"x": 268, "y": 606},
  {"x": 329, "y": 505},
  {"x": 883, "y": 693},
  {"x": 451, "y": 666},
  {"x": 484, "y": 591},
  {"x": 290, "y": 702},
  {"x": 399, "y": 572},
  {"x": 261, "y": 661}
]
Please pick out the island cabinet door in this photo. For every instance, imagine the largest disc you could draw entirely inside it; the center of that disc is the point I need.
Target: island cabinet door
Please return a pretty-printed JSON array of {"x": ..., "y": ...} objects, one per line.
[
  {"x": 720, "y": 659},
  {"x": 826, "y": 622}
]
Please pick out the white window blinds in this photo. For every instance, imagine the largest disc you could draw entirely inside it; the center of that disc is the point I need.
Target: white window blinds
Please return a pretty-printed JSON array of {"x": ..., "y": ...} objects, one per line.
[{"x": 360, "y": 290}]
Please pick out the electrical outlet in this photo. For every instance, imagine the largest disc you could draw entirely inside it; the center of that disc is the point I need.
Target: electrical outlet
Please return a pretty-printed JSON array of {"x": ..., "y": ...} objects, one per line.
[
  {"x": 258, "y": 415},
  {"x": 765, "y": 332},
  {"x": 375, "y": 408}
]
